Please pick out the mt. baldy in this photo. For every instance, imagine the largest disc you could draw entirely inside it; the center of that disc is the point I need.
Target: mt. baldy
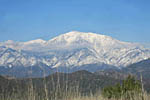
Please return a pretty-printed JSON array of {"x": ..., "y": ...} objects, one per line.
[{"x": 73, "y": 50}]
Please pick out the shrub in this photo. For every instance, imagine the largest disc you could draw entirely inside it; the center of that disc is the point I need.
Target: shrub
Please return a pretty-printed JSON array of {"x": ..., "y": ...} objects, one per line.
[{"x": 127, "y": 89}]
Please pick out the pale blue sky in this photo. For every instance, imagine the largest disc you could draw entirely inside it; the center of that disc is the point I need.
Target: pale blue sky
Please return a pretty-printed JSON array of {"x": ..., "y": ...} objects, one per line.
[{"x": 23, "y": 20}]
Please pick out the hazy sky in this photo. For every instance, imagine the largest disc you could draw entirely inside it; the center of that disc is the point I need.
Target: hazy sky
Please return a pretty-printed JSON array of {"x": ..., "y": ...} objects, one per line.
[{"x": 23, "y": 20}]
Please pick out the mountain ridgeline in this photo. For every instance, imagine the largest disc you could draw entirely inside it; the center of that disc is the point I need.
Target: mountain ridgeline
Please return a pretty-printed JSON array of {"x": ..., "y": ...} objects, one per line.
[
  {"x": 68, "y": 52},
  {"x": 58, "y": 85}
]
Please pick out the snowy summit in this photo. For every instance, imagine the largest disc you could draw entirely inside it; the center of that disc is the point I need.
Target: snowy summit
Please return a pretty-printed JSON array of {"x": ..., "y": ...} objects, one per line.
[{"x": 73, "y": 49}]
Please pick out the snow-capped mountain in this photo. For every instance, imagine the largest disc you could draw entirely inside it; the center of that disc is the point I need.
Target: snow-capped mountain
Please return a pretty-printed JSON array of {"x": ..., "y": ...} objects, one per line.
[{"x": 72, "y": 50}]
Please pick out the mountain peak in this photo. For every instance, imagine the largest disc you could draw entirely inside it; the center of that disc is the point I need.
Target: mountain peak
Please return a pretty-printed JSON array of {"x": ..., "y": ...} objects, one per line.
[
  {"x": 77, "y": 33},
  {"x": 74, "y": 36},
  {"x": 40, "y": 41},
  {"x": 9, "y": 42}
]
